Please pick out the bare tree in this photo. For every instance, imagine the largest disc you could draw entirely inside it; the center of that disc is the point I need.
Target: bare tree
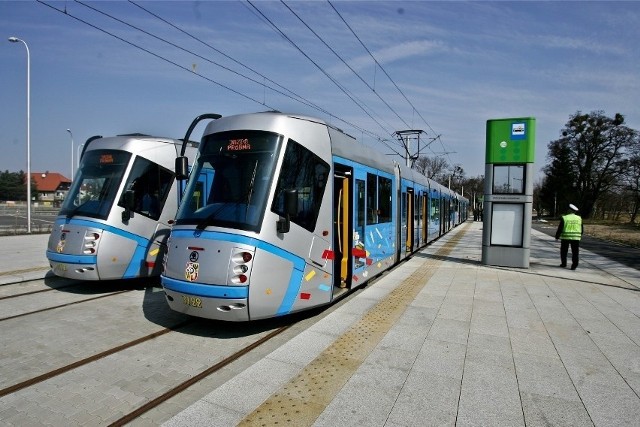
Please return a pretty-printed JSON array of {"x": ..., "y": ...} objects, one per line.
[
  {"x": 589, "y": 158},
  {"x": 431, "y": 167}
]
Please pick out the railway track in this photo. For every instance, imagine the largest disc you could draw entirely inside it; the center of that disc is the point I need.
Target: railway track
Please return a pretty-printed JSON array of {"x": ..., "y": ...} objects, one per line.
[
  {"x": 74, "y": 293},
  {"x": 60, "y": 377},
  {"x": 122, "y": 357},
  {"x": 48, "y": 375},
  {"x": 193, "y": 380}
]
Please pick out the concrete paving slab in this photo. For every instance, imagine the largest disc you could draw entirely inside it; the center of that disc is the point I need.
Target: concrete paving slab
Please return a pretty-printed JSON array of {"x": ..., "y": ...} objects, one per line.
[
  {"x": 479, "y": 345},
  {"x": 427, "y": 400},
  {"x": 544, "y": 411}
]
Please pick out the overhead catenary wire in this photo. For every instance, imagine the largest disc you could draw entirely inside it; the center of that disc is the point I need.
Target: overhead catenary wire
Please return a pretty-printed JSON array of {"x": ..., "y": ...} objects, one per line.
[
  {"x": 384, "y": 141},
  {"x": 322, "y": 70},
  {"x": 345, "y": 63},
  {"x": 192, "y": 71},
  {"x": 65, "y": 12},
  {"x": 380, "y": 65},
  {"x": 295, "y": 96},
  {"x": 438, "y": 136},
  {"x": 263, "y": 103},
  {"x": 290, "y": 94}
]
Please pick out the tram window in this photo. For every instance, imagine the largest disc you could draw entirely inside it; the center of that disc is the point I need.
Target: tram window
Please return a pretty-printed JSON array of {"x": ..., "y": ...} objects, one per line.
[
  {"x": 435, "y": 208},
  {"x": 372, "y": 202},
  {"x": 360, "y": 202},
  {"x": 303, "y": 171},
  {"x": 384, "y": 199},
  {"x": 150, "y": 183},
  {"x": 378, "y": 199}
]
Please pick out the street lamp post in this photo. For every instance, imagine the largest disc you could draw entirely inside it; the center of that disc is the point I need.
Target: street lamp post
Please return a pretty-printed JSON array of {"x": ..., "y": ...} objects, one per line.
[
  {"x": 16, "y": 40},
  {"x": 70, "y": 133}
]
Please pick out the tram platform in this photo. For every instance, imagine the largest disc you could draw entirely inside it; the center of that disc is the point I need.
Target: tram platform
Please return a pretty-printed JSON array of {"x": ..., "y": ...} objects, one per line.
[
  {"x": 440, "y": 340},
  {"x": 445, "y": 340},
  {"x": 23, "y": 257}
]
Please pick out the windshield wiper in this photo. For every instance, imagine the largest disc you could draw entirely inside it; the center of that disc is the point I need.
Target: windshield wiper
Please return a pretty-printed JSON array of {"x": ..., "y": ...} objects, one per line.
[{"x": 251, "y": 183}]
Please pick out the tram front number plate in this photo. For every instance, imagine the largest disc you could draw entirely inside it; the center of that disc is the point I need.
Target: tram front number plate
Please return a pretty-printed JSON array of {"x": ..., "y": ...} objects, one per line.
[{"x": 192, "y": 301}]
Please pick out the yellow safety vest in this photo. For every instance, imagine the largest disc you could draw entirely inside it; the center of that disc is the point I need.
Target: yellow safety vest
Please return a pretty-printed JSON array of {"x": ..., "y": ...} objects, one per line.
[{"x": 572, "y": 229}]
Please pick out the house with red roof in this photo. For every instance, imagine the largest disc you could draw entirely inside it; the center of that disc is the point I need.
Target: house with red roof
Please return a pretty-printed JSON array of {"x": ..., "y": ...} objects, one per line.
[{"x": 52, "y": 187}]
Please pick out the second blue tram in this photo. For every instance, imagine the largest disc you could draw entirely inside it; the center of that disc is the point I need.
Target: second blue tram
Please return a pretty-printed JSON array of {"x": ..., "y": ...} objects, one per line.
[{"x": 283, "y": 213}]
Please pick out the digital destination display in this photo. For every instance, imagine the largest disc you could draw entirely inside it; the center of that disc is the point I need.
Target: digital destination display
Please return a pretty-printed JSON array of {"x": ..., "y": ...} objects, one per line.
[
  {"x": 106, "y": 159},
  {"x": 238, "y": 144}
]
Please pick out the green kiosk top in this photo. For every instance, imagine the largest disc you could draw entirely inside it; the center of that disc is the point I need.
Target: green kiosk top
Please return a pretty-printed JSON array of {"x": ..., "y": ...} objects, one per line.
[{"x": 511, "y": 140}]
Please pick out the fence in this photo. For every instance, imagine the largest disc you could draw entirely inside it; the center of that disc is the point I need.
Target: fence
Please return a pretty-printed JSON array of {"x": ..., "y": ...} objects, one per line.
[{"x": 13, "y": 219}]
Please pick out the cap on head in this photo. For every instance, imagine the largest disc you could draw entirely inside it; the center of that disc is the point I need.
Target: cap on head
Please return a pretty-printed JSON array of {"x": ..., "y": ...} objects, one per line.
[{"x": 573, "y": 207}]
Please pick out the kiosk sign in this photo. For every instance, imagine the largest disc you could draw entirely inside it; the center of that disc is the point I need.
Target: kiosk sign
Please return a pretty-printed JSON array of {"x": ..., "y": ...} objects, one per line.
[
  {"x": 518, "y": 130},
  {"x": 510, "y": 140}
]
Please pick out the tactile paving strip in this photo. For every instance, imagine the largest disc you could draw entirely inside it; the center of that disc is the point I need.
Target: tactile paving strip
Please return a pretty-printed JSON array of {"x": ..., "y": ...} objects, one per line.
[{"x": 302, "y": 400}]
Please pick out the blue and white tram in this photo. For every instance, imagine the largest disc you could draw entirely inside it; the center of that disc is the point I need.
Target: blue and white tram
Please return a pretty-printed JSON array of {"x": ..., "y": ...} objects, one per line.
[
  {"x": 283, "y": 213},
  {"x": 115, "y": 220}
]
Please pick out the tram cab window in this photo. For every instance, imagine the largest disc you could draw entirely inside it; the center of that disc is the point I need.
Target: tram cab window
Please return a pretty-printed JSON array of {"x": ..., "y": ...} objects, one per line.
[
  {"x": 94, "y": 190},
  {"x": 150, "y": 183},
  {"x": 303, "y": 171}
]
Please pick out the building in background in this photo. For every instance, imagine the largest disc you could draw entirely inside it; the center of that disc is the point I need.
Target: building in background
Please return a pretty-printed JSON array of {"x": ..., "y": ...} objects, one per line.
[{"x": 52, "y": 188}]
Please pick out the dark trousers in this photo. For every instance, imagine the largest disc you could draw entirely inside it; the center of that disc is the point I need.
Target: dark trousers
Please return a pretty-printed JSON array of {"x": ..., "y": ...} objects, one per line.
[{"x": 575, "y": 252}]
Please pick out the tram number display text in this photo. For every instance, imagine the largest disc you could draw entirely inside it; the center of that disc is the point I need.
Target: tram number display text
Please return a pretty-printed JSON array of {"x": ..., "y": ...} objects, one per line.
[{"x": 192, "y": 301}]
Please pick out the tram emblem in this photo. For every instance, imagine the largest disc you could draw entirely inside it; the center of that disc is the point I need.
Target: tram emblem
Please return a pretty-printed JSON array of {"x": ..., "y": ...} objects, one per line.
[
  {"x": 193, "y": 256},
  {"x": 191, "y": 271}
]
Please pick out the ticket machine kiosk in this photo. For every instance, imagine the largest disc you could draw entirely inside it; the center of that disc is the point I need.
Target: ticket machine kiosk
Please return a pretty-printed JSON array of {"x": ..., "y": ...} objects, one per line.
[{"x": 508, "y": 192}]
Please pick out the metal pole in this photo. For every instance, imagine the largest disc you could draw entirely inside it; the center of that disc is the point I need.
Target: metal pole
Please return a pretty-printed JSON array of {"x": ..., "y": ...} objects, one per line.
[
  {"x": 16, "y": 40},
  {"x": 70, "y": 133},
  {"x": 408, "y": 145}
]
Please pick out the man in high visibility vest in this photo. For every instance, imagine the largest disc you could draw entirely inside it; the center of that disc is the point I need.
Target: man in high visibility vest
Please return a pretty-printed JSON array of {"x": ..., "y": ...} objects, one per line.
[{"x": 569, "y": 232}]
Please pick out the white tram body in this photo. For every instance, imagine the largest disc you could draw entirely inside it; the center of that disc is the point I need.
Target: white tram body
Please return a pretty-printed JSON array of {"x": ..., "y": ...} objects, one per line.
[
  {"x": 283, "y": 213},
  {"x": 115, "y": 220}
]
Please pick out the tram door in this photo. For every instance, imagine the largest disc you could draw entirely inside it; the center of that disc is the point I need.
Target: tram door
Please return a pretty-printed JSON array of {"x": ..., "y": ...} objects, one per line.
[
  {"x": 442, "y": 215},
  {"x": 342, "y": 226},
  {"x": 425, "y": 218},
  {"x": 410, "y": 220}
]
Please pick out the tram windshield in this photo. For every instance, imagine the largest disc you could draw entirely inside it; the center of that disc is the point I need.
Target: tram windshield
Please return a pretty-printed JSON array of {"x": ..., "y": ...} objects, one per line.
[
  {"x": 230, "y": 183},
  {"x": 94, "y": 189}
]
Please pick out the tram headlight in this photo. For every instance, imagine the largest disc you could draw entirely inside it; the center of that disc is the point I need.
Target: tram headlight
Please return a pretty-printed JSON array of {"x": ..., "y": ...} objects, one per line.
[
  {"x": 240, "y": 268},
  {"x": 90, "y": 242},
  {"x": 242, "y": 257},
  {"x": 239, "y": 279}
]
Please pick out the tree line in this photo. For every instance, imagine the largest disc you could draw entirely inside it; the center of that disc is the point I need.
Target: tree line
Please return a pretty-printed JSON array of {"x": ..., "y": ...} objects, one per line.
[
  {"x": 13, "y": 186},
  {"x": 595, "y": 164},
  {"x": 451, "y": 176}
]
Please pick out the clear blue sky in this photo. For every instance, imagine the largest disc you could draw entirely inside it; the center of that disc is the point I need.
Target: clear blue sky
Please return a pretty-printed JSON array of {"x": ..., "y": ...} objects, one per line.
[{"x": 457, "y": 63}]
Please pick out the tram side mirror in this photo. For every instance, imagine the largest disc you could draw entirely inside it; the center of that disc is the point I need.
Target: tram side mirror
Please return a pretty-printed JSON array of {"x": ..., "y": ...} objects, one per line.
[
  {"x": 129, "y": 203},
  {"x": 290, "y": 210},
  {"x": 182, "y": 168}
]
